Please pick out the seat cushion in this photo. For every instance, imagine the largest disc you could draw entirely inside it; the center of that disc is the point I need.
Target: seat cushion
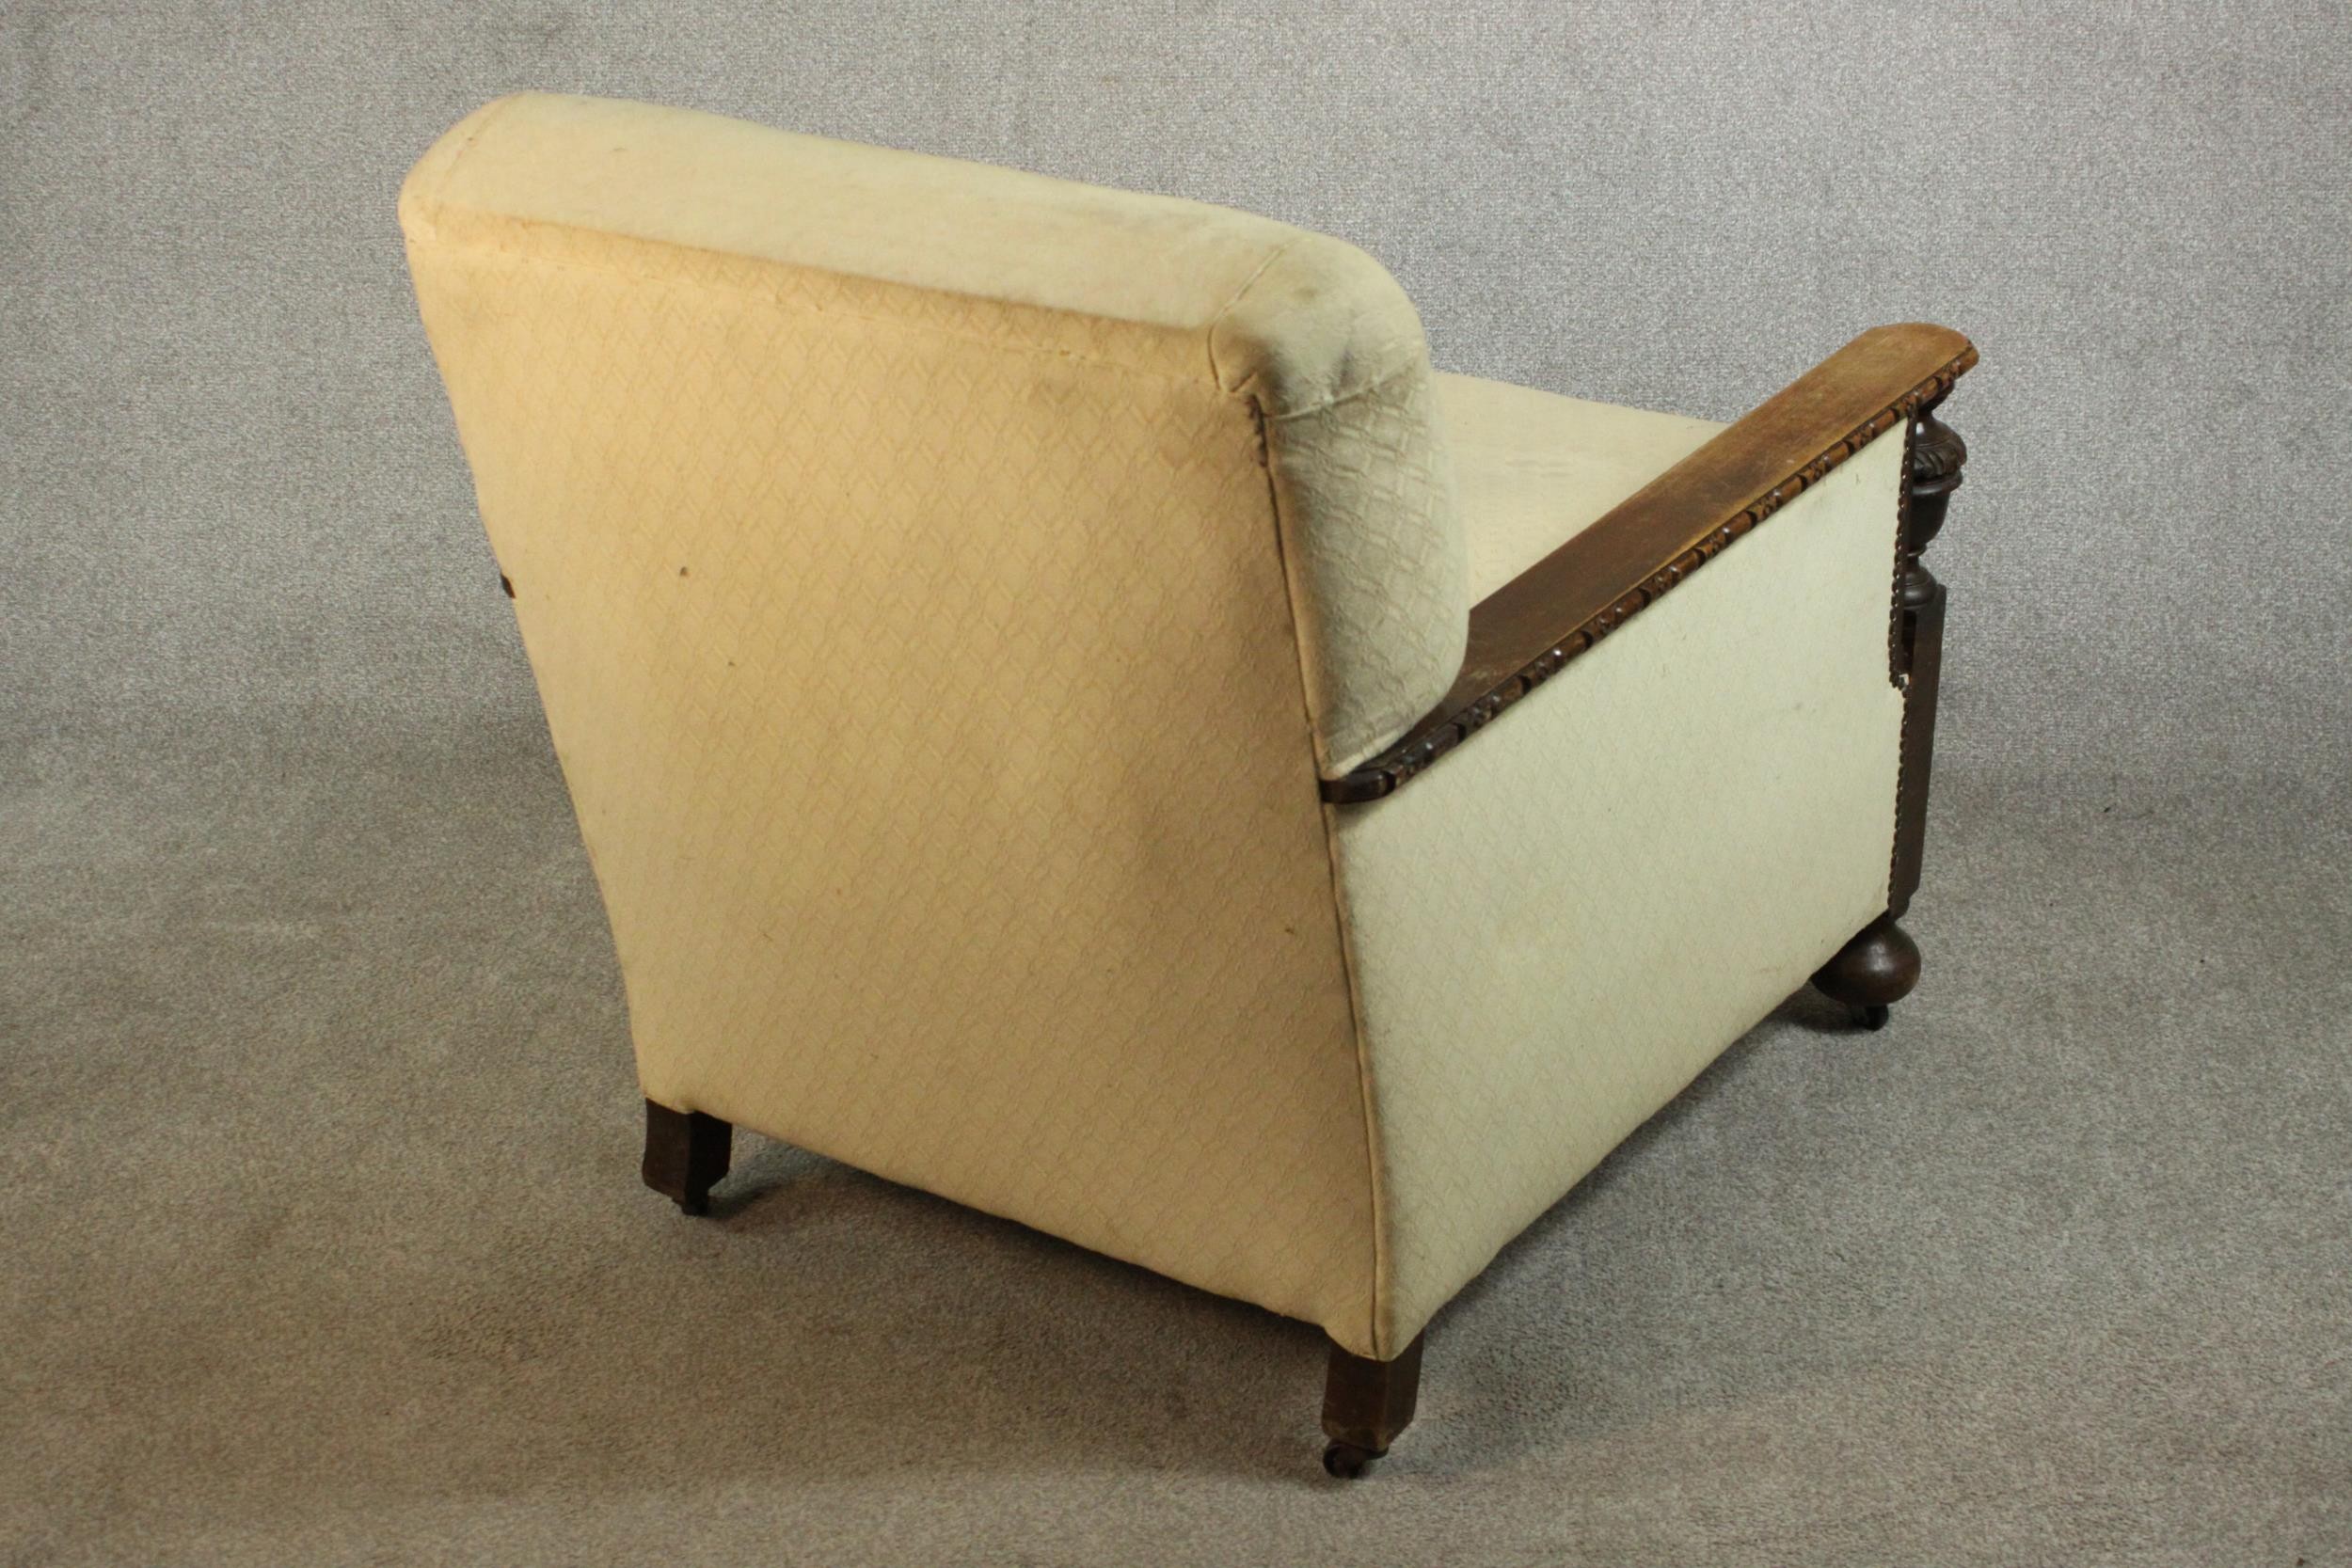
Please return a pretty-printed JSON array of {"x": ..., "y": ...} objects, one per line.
[{"x": 1532, "y": 468}]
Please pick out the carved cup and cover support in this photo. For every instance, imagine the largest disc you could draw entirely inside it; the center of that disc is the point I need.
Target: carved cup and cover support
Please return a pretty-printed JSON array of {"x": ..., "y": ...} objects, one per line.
[{"x": 1880, "y": 965}]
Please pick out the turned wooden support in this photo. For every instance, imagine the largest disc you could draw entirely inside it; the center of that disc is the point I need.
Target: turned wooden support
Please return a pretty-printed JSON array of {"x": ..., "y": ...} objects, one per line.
[
  {"x": 686, "y": 1154},
  {"x": 1365, "y": 1404},
  {"x": 1936, "y": 454},
  {"x": 1880, "y": 964}
]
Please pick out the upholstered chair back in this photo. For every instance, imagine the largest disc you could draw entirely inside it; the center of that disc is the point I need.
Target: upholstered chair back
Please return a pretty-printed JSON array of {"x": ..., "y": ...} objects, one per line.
[
  {"x": 924, "y": 357},
  {"x": 946, "y": 585}
]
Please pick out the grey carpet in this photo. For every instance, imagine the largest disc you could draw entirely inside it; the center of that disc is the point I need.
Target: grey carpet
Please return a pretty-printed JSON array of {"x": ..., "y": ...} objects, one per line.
[
  {"x": 320, "y": 1234},
  {"x": 325, "y": 1243}
]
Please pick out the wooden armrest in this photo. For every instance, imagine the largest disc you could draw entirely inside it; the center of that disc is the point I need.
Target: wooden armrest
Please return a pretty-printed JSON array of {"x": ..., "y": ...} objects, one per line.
[{"x": 1522, "y": 633}]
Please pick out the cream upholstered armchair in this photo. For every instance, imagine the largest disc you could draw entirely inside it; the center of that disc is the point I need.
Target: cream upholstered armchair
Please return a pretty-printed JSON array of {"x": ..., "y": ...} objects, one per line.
[{"x": 1068, "y": 710}]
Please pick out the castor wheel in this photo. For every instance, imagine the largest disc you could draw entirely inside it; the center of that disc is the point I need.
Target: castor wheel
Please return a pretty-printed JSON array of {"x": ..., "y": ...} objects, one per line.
[
  {"x": 1347, "y": 1461},
  {"x": 1870, "y": 1015}
]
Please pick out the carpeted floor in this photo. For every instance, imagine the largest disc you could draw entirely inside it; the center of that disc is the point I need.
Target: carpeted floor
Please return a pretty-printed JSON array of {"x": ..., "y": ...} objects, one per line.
[{"x": 325, "y": 1243}]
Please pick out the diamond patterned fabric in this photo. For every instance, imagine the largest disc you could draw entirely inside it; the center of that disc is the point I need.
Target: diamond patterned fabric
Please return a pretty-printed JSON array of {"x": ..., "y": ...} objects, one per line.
[
  {"x": 945, "y": 586},
  {"x": 930, "y": 700},
  {"x": 1558, "y": 927}
]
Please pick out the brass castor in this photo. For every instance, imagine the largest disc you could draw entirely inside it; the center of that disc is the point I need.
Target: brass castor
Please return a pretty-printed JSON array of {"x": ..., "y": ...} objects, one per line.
[{"x": 1347, "y": 1461}]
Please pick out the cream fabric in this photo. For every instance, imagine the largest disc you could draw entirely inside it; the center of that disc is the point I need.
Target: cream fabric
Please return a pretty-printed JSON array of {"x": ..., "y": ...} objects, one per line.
[
  {"x": 1557, "y": 927},
  {"x": 1306, "y": 328},
  {"x": 1534, "y": 469},
  {"x": 1362, "y": 486},
  {"x": 945, "y": 584},
  {"x": 922, "y": 669}
]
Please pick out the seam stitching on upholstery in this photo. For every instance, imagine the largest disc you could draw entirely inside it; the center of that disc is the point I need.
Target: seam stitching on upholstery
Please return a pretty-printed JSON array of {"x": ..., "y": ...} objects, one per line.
[
  {"x": 1378, "y": 384},
  {"x": 1242, "y": 388},
  {"x": 775, "y": 298},
  {"x": 1339, "y": 925},
  {"x": 1344, "y": 930},
  {"x": 495, "y": 113},
  {"x": 1208, "y": 336}
]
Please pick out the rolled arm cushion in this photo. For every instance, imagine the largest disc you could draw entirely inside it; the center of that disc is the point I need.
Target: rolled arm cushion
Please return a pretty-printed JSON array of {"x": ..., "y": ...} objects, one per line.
[{"x": 1362, "y": 488}]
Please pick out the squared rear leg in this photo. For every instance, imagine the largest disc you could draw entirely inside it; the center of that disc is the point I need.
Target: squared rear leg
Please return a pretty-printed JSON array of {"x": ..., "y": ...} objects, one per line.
[
  {"x": 1366, "y": 1403},
  {"x": 686, "y": 1154}
]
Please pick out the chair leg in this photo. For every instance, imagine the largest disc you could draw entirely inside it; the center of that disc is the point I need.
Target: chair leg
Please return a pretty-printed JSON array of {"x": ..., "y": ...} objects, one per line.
[
  {"x": 1880, "y": 965},
  {"x": 686, "y": 1154},
  {"x": 1365, "y": 1404},
  {"x": 1872, "y": 972}
]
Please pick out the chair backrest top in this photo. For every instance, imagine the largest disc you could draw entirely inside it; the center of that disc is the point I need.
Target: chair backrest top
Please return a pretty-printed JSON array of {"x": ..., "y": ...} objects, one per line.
[{"x": 1158, "y": 283}]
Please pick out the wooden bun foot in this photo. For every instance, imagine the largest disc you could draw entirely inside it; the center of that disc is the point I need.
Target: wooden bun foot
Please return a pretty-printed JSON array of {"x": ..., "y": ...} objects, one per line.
[{"x": 1872, "y": 973}]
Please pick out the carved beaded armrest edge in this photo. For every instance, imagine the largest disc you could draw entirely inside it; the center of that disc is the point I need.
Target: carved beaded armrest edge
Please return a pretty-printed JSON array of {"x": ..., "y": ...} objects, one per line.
[{"x": 1527, "y": 630}]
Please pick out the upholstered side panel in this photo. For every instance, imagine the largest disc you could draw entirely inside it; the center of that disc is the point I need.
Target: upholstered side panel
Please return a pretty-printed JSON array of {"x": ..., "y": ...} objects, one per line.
[
  {"x": 932, "y": 709},
  {"x": 1559, "y": 926}
]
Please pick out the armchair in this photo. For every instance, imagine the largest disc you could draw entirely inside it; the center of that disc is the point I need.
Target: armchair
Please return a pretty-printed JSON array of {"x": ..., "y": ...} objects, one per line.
[{"x": 1070, "y": 712}]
